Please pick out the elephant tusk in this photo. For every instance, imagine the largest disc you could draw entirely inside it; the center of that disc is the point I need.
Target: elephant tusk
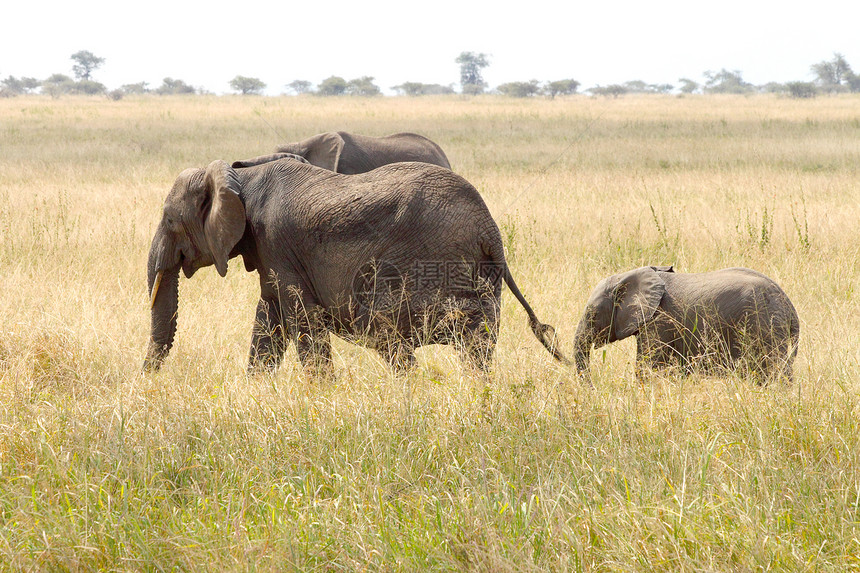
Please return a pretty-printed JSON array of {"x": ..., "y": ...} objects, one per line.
[{"x": 155, "y": 286}]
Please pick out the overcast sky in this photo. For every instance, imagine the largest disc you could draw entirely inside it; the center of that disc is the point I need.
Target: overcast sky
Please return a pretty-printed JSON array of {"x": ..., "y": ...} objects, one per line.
[{"x": 594, "y": 42}]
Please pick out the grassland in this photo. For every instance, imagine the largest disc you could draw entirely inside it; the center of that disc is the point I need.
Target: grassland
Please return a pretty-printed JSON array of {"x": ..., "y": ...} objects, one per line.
[{"x": 203, "y": 468}]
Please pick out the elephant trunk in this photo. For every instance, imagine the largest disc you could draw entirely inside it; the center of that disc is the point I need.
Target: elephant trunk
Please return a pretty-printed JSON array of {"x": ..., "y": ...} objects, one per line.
[{"x": 164, "y": 301}]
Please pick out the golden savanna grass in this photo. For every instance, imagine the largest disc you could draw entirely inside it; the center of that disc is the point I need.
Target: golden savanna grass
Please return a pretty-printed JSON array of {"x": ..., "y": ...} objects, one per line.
[{"x": 200, "y": 467}]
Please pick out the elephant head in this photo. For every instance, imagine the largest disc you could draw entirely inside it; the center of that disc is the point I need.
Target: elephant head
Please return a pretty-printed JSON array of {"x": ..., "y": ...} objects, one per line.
[
  {"x": 617, "y": 308},
  {"x": 203, "y": 220},
  {"x": 322, "y": 150}
]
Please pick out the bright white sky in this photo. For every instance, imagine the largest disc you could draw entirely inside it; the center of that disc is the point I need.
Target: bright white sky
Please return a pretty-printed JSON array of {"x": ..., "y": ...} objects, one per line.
[{"x": 206, "y": 44}]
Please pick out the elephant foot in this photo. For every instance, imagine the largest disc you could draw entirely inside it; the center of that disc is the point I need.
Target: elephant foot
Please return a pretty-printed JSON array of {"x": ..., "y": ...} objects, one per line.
[
  {"x": 400, "y": 357},
  {"x": 321, "y": 371},
  {"x": 261, "y": 368}
]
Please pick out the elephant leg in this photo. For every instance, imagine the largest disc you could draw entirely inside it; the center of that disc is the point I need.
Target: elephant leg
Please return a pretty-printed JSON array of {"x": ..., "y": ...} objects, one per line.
[
  {"x": 643, "y": 359},
  {"x": 650, "y": 354},
  {"x": 268, "y": 341},
  {"x": 313, "y": 345},
  {"x": 653, "y": 352},
  {"x": 776, "y": 363},
  {"x": 478, "y": 344}
]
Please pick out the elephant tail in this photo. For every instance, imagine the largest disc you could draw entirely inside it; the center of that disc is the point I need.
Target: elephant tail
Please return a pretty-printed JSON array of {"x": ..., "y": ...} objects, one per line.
[{"x": 544, "y": 332}]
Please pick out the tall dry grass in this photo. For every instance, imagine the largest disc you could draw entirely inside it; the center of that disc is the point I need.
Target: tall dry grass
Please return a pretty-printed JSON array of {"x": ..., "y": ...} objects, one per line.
[{"x": 201, "y": 467}]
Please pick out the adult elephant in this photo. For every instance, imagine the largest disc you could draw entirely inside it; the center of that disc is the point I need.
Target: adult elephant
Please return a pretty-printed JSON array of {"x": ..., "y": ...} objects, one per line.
[
  {"x": 402, "y": 256},
  {"x": 730, "y": 318},
  {"x": 350, "y": 153}
]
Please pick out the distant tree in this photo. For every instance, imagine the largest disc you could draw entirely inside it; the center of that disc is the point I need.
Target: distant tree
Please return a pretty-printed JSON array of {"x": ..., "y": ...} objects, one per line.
[
  {"x": 688, "y": 86},
  {"x": 801, "y": 89},
  {"x": 13, "y": 86},
  {"x": 773, "y": 88},
  {"x": 300, "y": 87},
  {"x": 519, "y": 89},
  {"x": 169, "y": 86},
  {"x": 834, "y": 75},
  {"x": 85, "y": 63},
  {"x": 30, "y": 84},
  {"x": 636, "y": 87},
  {"x": 56, "y": 85},
  {"x": 471, "y": 64},
  {"x": 87, "y": 87},
  {"x": 332, "y": 86},
  {"x": 362, "y": 86},
  {"x": 640, "y": 87},
  {"x": 561, "y": 87},
  {"x": 247, "y": 86},
  {"x": 726, "y": 82},
  {"x": 135, "y": 89},
  {"x": 419, "y": 89},
  {"x": 613, "y": 90},
  {"x": 853, "y": 82},
  {"x": 409, "y": 88}
]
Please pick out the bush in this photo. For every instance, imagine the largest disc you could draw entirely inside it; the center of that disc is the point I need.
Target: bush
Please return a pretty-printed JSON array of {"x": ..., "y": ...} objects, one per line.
[
  {"x": 613, "y": 90},
  {"x": 726, "y": 82},
  {"x": 362, "y": 86},
  {"x": 561, "y": 87},
  {"x": 170, "y": 86},
  {"x": 519, "y": 89},
  {"x": 801, "y": 89},
  {"x": 419, "y": 89},
  {"x": 88, "y": 87},
  {"x": 57, "y": 84},
  {"x": 13, "y": 86},
  {"x": 134, "y": 89}
]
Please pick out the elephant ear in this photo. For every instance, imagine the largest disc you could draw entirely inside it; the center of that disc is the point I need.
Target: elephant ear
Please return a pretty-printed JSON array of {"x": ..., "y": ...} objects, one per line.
[
  {"x": 224, "y": 224},
  {"x": 637, "y": 295},
  {"x": 324, "y": 150}
]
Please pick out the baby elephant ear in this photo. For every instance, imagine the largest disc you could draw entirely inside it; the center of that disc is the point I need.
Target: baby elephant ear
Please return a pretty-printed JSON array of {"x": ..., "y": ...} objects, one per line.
[
  {"x": 638, "y": 294},
  {"x": 224, "y": 224}
]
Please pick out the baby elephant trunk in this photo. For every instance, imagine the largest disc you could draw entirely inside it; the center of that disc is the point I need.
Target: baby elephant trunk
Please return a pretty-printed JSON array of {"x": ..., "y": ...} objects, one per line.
[{"x": 582, "y": 342}]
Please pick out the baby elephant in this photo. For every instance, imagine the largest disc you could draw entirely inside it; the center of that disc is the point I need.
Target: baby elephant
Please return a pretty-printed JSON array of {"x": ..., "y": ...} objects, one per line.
[{"x": 731, "y": 318}]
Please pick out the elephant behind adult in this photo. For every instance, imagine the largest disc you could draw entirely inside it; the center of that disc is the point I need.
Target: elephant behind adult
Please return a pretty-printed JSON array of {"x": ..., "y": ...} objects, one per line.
[
  {"x": 405, "y": 255},
  {"x": 351, "y": 153},
  {"x": 731, "y": 318}
]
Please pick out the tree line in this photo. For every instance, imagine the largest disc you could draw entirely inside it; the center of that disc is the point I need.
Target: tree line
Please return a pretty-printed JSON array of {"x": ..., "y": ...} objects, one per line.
[{"x": 831, "y": 76}]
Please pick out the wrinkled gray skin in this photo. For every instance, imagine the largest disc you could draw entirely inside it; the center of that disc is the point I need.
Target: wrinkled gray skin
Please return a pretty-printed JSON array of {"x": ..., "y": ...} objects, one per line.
[
  {"x": 312, "y": 235},
  {"x": 731, "y": 318},
  {"x": 350, "y": 153}
]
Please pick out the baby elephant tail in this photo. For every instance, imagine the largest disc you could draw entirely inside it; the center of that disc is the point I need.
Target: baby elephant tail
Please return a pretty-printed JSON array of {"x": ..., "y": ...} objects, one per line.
[{"x": 544, "y": 332}]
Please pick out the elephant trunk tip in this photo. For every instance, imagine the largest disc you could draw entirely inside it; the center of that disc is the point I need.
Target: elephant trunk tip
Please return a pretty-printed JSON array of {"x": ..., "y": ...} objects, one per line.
[
  {"x": 151, "y": 365},
  {"x": 154, "y": 357}
]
